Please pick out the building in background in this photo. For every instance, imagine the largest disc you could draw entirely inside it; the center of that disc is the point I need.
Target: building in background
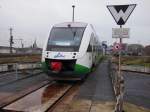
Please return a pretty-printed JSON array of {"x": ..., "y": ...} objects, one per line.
[
  {"x": 147, "y": 50},
  {"x": 135, "y": 49},
  {"x": 6, "y": 50},
  {"x": 28, "y": 50},
  {"x": 33, "y": 49},
  {"x": 130, "y": 49}
]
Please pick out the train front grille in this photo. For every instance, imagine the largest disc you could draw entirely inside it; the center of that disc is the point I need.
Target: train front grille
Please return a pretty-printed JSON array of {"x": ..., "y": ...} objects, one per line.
[{"x": 62, "y": 65}]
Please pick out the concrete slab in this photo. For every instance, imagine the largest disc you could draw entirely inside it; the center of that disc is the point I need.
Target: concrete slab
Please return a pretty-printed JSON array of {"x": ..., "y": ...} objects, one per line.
[
  {"x": 79, "y": 106},
  {"x": 102, "y": 107}
]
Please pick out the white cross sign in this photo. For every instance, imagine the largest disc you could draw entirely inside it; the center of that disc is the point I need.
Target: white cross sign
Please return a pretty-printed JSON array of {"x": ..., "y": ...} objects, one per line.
[{"x": 121, "y": 13}]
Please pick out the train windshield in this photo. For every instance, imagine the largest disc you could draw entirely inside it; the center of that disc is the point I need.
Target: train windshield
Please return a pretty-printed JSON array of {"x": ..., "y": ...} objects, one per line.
[{"x": 65, "y": 38}]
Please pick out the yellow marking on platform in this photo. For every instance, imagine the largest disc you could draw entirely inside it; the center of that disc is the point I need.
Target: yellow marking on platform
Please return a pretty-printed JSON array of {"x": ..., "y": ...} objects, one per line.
[
  {"x": 79, "y": 106},
  {"x": 134, "y": 108},
  {"x": 103, "y": 107}
]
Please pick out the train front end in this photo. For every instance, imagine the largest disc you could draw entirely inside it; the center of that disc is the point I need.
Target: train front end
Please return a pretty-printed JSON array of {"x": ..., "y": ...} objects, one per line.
[{"x": 61, "y": 52}]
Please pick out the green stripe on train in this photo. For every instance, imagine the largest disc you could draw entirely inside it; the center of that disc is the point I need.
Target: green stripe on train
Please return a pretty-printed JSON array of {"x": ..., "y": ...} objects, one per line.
[{"x": 80, "y": 69}]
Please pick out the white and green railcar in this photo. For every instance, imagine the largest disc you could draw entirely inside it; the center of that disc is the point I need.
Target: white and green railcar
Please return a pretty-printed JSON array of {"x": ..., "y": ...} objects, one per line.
[{"x": 71, "y": 50}]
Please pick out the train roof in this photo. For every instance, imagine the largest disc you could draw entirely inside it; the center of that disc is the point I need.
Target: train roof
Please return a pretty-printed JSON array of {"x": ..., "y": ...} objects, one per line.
[{"x": 72, "y": 24}]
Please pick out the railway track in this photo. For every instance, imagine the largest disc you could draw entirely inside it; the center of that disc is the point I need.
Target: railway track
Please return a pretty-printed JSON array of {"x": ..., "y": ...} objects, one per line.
[
  {"x": 12, "y": 77},
  {"x": 16, "y": 89},
  {"x": 45, "y": 99}
]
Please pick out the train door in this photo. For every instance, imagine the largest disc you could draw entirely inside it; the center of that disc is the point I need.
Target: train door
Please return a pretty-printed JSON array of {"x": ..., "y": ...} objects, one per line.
[{"x": 93, "y": 49}]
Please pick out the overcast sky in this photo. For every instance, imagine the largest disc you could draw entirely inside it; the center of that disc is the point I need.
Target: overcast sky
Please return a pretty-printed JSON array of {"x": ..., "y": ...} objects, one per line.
[{"x": 33, "y": 19}]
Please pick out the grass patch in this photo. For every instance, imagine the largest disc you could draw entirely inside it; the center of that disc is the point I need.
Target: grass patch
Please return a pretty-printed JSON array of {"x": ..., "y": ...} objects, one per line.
[
  {"x": 134, "y": 60},
  {"x": 20, "y": 59}
]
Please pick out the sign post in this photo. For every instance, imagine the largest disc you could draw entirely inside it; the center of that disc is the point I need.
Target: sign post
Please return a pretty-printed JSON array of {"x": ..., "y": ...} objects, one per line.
[{"x": 120, "y": 14}]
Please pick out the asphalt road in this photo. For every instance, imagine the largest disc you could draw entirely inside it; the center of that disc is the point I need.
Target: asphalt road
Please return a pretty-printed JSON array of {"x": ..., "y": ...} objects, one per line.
[{"x": 137, "y": 88}]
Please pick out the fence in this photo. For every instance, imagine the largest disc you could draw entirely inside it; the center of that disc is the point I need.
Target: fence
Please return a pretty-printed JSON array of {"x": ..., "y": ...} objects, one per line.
[
  {"x": 19, "y": 66},
  {"x": 118, "y": 85},
  {"x": 135, "y": 68}
]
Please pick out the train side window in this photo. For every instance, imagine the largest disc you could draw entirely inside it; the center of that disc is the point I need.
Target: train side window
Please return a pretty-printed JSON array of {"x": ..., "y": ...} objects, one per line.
[{"x": 89, "y": 49}]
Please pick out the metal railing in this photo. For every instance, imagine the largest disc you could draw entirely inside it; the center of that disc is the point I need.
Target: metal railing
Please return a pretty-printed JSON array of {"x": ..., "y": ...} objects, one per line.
[{"x": 118, "y": 85}]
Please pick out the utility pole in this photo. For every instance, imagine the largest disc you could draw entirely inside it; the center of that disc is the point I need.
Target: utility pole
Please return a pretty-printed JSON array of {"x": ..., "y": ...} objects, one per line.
[
  {"x": 73, "y": 6},
  {"x": 120, "y": 80},
  {"x": 22, "y": 45},
  {"x": 21, "y": 40},
  {"x": 11, "y": 40}
]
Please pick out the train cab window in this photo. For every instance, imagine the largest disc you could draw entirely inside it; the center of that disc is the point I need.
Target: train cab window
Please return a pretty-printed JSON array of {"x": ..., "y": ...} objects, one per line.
[{"x": 68, "y": 37}]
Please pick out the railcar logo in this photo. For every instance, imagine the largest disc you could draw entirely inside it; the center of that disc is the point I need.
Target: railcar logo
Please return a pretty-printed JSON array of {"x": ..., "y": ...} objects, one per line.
[{"x": 59, "y": 55}]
